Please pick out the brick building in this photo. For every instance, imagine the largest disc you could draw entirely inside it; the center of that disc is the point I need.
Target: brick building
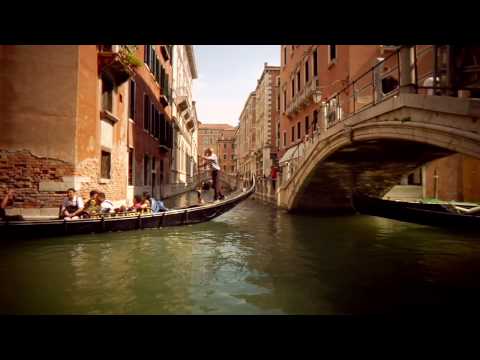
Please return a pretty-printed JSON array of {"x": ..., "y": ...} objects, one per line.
[
  {"x": 150, "y": 130},
  {"x": 87, "y": 117},
  {"x": 311, "y": 74}
]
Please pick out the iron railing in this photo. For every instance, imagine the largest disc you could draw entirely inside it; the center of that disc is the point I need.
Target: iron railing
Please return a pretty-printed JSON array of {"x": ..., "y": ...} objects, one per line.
[{"x": 429, "y": 67}]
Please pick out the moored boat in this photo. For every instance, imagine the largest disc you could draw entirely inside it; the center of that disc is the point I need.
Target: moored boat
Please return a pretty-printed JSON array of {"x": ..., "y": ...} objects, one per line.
[
  {"x": 11, "y": 230},
  {"x": 433, "y": 214}
]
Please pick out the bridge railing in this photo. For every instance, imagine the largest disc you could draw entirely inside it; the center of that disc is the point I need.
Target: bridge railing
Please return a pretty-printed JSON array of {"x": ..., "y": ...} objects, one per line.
[{"x": 428, "y": 67}]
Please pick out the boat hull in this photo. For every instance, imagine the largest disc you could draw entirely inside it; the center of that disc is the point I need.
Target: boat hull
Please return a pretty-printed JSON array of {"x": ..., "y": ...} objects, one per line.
[
  {"x": 52, "y": 228},
  {"x": 418, "y": 213}
]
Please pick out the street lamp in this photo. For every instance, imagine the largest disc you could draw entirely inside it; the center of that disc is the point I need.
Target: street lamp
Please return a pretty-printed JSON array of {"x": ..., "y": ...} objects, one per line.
[{"x": 317, "y": 96}]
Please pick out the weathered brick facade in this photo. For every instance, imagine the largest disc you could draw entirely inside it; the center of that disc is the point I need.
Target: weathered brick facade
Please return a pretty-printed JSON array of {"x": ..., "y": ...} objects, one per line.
[{"x": 25, "y": 173}]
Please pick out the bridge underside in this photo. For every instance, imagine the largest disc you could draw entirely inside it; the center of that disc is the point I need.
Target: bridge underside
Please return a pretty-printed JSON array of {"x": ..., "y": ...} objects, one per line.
[{"x": 371, "y": 167}]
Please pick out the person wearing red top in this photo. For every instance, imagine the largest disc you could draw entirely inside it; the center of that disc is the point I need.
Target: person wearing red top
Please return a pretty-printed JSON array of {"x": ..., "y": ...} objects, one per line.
[{"x": 274, "y": 177}]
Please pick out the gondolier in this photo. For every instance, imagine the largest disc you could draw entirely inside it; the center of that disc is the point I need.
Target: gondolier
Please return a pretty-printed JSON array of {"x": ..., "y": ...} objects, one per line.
[{"x": 211, "y": 161}]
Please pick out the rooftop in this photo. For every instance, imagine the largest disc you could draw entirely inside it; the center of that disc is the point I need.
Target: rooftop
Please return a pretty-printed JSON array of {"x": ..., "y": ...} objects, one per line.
[{"x": 216, "y": 127}]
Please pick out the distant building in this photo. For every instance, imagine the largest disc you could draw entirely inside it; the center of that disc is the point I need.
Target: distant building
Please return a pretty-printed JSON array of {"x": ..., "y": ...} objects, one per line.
[
  {"x": 266, "y": 119},
  {"x": 246, "y": 139},
  {"x": 219, "y": 137}
]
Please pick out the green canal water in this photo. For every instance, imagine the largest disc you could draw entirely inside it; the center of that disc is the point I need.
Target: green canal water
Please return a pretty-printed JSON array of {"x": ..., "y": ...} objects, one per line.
[{"x": 254, "y": 259}]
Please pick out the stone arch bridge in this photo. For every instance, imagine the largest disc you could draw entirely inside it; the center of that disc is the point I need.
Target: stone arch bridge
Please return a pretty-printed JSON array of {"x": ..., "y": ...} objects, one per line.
[{"x": 370, "y": 151}]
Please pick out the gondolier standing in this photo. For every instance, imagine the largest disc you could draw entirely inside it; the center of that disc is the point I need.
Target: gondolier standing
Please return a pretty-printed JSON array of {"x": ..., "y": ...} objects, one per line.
[{"x": 211, "y": 160}]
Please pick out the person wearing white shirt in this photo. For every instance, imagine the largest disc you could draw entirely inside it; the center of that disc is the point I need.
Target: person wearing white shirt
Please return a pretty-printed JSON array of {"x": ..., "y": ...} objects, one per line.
[
  {"x": 72, "y": 206},
  {"x": 211, "y": 161},
  {"x": 106, "y": 206}
]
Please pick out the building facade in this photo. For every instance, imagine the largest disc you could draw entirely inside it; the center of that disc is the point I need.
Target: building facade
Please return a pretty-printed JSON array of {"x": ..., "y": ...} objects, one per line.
[
  {"x": 266, "y": 120},
  {"x": 219, "y": 137},
  {"x": 64, "y": 115},
  {"x": 86, "y": 117},
  {"x": 309, "y": 77},
  {"x": 150, "y": 131},
  {"x": 246, "y": 139},
  {"x": 184, "y": 162}
]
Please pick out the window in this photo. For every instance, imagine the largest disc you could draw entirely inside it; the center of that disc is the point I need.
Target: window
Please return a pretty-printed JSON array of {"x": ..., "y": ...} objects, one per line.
[
  {"x": 307, "y": 125},
  {"x": 299, "y": 128},
  {"x": 225, "y": 146},
  {"x": 224, "y": 156},
  {"x": 107, "y": 94},
  {"x": 315, "y": 120},
  {"x": 233, "y": 168},
  {"x": 284, "y": 100},
  {"x": 147, "y": 55},
  {"x": 161, "y": 171},
  {"x": 146, "y": 112},
  {"x": 293, "y": 88},
  {"x": 105, "y": 165},
  {"x": 224, "y": 168},
  {"x": 284, "y": 138},
  {"x": 307, "y": 74},
  {"x": 315, "y": 63},
  {"x": 131, "y": 103},
  {"x": 130, "y": 166},
  {"x": 332, "y": 52},
  {"x": 152, "y": 119},
  {"x": 298, "y": 80},
  {"x": 285, "y": 56},
  {"x": 146, "y": 168},
  {"x": 293, "y": 133},
  {"x": 156, "y": 126},
  {"x": 278, "y": 102},
  {"x": 233, "y": 157}
]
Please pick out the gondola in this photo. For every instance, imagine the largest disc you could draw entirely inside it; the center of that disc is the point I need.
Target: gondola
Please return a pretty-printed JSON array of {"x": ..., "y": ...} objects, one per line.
[
  {"x": 29, "y": 229},
  {"x": 419, "y": 213}
]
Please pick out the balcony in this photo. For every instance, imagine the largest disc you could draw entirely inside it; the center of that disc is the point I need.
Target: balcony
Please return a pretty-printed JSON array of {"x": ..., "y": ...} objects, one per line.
[
  {"x": 119, "y": 62},
  {"x": 303, "y": 98}
]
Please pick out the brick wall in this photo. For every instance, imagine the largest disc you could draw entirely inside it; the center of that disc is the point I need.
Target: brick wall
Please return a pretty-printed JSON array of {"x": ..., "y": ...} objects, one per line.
[{"x": 23, "y": 172}]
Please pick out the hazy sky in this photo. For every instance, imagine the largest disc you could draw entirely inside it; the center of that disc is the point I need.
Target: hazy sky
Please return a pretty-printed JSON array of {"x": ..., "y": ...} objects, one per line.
[{"x": 226, "y": 75}]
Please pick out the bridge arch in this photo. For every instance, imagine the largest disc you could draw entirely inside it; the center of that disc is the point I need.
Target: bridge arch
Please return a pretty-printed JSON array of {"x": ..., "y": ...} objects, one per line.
[{"x": 371, "y": 152}]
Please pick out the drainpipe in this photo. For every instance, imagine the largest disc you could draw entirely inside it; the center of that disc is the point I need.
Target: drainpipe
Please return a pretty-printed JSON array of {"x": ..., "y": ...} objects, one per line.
[
  {"x": 435, "y": 184},
  {"x": 405, "y": 65}
]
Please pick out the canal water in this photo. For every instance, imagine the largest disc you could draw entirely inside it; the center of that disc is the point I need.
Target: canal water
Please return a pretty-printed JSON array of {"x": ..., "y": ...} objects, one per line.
[{"x": 254, "y": 259}]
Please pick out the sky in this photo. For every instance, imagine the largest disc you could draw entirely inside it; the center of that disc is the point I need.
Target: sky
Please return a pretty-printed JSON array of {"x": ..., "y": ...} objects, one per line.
[{"x": 226, "y": 75}]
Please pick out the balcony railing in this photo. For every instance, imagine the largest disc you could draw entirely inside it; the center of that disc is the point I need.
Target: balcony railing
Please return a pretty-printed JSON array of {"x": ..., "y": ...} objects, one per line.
[
  {"x": 304, "y": 97},
  {"x": 429, "y": 75},
  {"x": 119, "y": 61}
]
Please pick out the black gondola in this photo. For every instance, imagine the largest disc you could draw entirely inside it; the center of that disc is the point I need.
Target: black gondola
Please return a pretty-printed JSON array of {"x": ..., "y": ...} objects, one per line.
[
  {"x": 189, "y": 215},
  {"x": 418, "y": 213}
]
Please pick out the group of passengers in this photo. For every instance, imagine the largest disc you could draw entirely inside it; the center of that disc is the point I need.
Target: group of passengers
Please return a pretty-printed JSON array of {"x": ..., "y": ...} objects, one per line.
[{"x": 73, "y": 207}]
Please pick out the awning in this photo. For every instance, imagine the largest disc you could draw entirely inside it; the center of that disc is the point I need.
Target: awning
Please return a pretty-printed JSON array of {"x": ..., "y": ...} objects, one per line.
[{"x": 293, "y": 153}]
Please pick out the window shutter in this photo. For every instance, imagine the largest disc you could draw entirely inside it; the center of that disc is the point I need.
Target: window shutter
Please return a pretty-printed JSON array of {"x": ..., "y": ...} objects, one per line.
[{"x": 146, "y": 54}]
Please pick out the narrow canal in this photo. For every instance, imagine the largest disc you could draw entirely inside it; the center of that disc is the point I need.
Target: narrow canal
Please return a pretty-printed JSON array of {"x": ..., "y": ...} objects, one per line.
[{"x": 253, "y": 260}]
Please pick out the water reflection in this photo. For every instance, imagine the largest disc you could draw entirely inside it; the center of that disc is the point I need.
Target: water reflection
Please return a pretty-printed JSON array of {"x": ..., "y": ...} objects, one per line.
[{"x": 252, "y": 260}]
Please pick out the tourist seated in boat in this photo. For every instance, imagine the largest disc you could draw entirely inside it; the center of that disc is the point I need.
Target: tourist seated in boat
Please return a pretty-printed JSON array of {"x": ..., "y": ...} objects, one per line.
[
  {"x": 106, "y": 206},
  {"x": 137, "y": 203},
  {"x": 154, "y": 205},
  {"x": 92, "y": 205},
  {"x": 72, "y": 206},
  {"x": 8, "y": 200}
]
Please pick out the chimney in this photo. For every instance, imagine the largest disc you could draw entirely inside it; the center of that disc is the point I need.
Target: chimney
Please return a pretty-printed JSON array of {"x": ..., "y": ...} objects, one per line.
[{"x": 266, "y": 64}]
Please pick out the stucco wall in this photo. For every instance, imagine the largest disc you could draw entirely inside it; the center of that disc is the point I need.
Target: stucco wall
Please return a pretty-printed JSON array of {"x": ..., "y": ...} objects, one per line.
[{"x": 38, "y": 99}]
